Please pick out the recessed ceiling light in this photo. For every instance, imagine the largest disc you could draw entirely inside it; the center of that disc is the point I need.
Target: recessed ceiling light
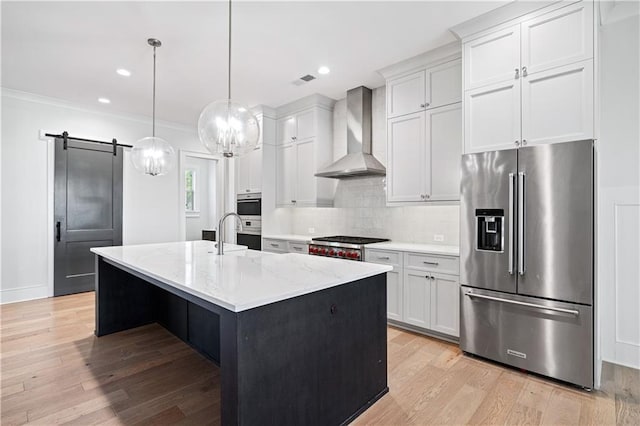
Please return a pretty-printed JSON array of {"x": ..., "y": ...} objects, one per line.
[
  {"x": 123, "y": 72},
  {"x": 104, "y": 101},
  {"x": 324, "y": 70}
]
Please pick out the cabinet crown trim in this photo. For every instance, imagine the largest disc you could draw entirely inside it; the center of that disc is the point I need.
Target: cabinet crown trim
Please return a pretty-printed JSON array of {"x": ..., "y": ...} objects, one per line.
[
  {"x": 502, "y": 15},
  {"x": 311, "y": 101},
  {"x": 442, "y": 54}
]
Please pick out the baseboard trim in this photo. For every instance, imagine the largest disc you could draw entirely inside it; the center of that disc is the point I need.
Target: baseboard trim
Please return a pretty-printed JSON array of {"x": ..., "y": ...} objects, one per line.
[{"x": 21, "y": 294}]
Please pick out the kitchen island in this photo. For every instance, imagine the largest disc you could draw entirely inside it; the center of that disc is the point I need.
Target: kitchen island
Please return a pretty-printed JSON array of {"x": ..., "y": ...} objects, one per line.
[{"x": 299, "y": 339}]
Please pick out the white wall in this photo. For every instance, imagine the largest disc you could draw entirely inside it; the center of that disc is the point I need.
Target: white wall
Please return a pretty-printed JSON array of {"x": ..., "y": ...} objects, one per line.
[
  {"x": 619, "y": 187},
  {"x": 150, "y": 204},
  {"x": 205, "y": 218},
  {"x": 360, "y": 203}
]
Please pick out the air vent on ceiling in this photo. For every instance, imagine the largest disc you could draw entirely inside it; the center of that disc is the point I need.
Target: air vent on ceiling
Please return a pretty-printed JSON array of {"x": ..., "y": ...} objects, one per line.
[{"x": 302, "y": 80}]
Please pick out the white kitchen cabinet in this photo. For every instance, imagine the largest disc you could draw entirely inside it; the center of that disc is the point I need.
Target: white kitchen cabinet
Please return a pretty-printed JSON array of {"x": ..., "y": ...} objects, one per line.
[
  {"x": 557, "y": 104},
  {"x": 298, "y": 247},
  {"x": 417, "y": 298},
  {"x": 249, "y": 172},
  {"x": 445, "y": 305},
  {"x": 424, "y": 89},
  {"x": 557, "y": 38},
  {"x": 406, "y": 155},
  {"x": 492, "y": 58},
  {"x": 423, "y": 155},
  {"x": 296, "y": 127},
  {"x": 305, "y": 135},
  {"x": 492, "y": 117},
  {"x": 394, "y": 295},
  {"x": 444, "y": 136},
  {"x": 274, "y": 246},
  {"x": 530, "y": 82},
  {"x": 286, "y": 172}
]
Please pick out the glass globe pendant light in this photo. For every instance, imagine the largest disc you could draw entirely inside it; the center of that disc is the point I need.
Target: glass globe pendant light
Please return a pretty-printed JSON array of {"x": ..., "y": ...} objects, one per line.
[
  {"x": 152, "y": 155},
  {"x": 225, "y": 127}
]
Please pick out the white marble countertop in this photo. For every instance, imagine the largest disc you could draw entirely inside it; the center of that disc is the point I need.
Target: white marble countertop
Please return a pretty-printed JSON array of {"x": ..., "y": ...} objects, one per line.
[
  {"x": 416, "y": 248},
  {"x": 240, "y": 279},
  {"x": 290, "y": 237}
]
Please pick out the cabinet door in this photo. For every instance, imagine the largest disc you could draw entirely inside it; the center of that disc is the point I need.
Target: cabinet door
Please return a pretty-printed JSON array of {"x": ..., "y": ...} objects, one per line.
[
  {"x": 445, "y": 304},
  {"x": 243, "y": 167},
  {"x": 286, "y": 174},
  {"x": 558, "y": 38},
  {"x": 255, "y": 171},
  {"x": 305, "y": 180},
  {"x": 557, "y": 104},
  {"x": 492, "y": 58},
  {"x": 444, "y": 84},
  {"x": 286, "y": 130},
  {"x": 394, "y": 295},
  {"x": 417, "y": 298},
  {"x": 305, "y": 125},
  {"x": 444, "y": 133},
  {"x": 406, "y": 153},
  {"x": 406, "y": 94},
  {"x": 492, "y": 117}
]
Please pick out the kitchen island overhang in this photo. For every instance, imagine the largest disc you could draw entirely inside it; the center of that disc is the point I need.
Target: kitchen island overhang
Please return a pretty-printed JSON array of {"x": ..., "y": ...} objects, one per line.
[{"x": 309, "y": 350}]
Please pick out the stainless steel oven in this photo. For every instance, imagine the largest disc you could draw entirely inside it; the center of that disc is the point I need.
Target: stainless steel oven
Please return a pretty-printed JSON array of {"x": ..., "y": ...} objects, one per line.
[
  {"x": 251, "y": 234},
  {"x": 249, "y": 204}
]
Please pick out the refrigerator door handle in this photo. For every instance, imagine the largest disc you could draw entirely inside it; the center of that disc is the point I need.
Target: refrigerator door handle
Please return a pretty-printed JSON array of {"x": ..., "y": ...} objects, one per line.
[
  {"x": 530, "y": 305},
  {"x": 510, "y": 247},
  {"x": 521, "y": 223}
]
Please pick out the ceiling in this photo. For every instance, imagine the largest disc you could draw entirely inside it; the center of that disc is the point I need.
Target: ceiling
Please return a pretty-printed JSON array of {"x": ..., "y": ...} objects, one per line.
[{"x": 70, "y": 50}]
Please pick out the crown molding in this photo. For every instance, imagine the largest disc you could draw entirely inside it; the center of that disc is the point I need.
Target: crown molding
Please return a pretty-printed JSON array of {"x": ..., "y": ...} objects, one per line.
[
  {"x": 445, "y": 53},
  {"x": 310, "y": 101}
]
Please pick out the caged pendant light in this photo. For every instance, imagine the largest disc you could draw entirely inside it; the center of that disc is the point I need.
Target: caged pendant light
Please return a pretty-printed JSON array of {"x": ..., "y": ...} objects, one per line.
[
  {"x": 225, "y": 127},
  {"x": 152, "y": 155}
]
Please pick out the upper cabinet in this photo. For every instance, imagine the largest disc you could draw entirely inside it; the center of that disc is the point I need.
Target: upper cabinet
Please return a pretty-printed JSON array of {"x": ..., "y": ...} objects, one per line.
[
  {"x": 424, "y": 128},
  {"x": 424, "y": 89},
  {"x": 304, "y": 135},
  {"x": 530, "y": 81},
  {"x": 249, "y": 172}
]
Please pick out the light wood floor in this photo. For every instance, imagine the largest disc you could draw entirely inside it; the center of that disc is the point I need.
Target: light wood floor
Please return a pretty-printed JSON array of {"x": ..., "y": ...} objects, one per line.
[{"x": 55, "y": 371}]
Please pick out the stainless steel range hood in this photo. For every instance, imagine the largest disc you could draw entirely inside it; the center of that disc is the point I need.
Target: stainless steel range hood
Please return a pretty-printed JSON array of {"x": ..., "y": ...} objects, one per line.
[{"x": 358, "y": 161}]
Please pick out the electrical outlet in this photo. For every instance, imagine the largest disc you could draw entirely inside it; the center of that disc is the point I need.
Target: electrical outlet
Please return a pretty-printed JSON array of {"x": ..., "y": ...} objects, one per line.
[
  {"x": 312, "y": 230},
  {"x": 438, "y": 237}
]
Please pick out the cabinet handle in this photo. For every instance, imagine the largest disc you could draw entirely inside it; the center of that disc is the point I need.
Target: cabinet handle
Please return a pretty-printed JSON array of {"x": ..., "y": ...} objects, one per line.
[
  {"x": 517, "y": 143},
  {"x": 524, "y": 141},
  {"x": 517, "y": 73},
  {"x": 524, "y": 72},
  {"x": 293, "y": 201},
  {"x": 383, "y": 257},
  {"x": 426, "y": 105},
  {"x": 297, "y": 248},
  {"x": 247, "y": 190},
  {"x": 423, "y": 105},
  {"x": 275, "y": 245},
  {"x": 429, "y": 277},
  {"x": 57, "y": 231},
  {"x": 427, "y": 196},
  {"x": 431, "y": 263}
]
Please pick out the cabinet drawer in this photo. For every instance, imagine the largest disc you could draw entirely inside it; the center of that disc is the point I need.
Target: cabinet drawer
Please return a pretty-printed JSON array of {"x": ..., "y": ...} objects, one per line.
[
  {"x": 278, "y": 246},
  {"x": 442, "y": 264},
  {"x": 383, "y": 256},
  {"x": 295, "y": 247}
]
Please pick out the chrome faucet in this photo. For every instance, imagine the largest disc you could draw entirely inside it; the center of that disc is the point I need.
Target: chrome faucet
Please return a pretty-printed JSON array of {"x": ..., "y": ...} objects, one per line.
[{"x": 221, "y": 230}]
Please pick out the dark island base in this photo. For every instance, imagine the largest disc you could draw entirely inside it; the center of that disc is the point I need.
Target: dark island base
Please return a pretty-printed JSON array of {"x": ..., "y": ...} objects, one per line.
[{"x": 316, "y": 359}]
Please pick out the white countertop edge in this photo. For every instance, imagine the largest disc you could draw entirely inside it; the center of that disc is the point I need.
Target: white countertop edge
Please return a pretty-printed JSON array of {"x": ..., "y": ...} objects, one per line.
[
  {"x": 441, "y": 250},
  {"x": 380, "y": 269}
]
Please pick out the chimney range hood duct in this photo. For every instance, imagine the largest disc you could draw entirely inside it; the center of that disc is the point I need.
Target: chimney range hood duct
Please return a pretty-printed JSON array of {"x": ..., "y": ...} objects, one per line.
[{"x": 358, "y": 161}]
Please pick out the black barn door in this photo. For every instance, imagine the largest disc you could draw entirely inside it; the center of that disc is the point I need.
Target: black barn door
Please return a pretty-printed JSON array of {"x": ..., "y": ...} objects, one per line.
[{"x": 87, "y": 210}]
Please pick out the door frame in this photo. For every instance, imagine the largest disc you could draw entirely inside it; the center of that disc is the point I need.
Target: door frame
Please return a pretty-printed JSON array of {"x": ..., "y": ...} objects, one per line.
[{"x": 222, "y": 190}]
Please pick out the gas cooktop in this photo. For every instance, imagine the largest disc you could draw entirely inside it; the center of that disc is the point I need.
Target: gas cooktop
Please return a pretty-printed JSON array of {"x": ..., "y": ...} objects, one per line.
[{"x": 350, "y": 240}]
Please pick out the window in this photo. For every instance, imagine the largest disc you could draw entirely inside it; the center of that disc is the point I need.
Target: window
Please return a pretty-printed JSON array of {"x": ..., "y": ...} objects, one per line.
[{"x": 190, "y": 180}]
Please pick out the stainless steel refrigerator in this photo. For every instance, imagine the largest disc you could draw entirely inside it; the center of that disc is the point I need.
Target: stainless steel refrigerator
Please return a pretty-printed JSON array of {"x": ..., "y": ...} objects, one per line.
[{"x": 526, "y": 258}]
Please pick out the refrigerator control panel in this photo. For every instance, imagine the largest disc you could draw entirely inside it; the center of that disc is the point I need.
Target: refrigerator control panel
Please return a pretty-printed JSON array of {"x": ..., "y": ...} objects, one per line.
[{"x": 490, "y": 230}]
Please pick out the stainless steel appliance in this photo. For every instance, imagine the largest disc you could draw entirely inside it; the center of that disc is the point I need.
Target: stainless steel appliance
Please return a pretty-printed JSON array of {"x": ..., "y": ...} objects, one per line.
[
  {"x": 249, "y": 207},
  {"x": 341, "y": 246},
  {"x": 526, "y": 258}
]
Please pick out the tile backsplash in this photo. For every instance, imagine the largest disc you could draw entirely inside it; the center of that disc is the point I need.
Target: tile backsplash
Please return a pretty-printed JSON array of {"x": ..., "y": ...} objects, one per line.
[{"x": 360, "y": 209}]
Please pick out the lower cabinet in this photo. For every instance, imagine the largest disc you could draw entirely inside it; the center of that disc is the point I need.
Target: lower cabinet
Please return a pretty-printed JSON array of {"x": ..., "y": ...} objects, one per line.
[{"x": 421, "y": 297}]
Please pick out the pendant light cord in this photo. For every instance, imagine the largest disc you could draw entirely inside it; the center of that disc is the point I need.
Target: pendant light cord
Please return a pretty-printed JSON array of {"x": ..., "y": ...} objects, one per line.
[
  {"x": 229, "y": 68},
  {"x": 153, "y": 116}
]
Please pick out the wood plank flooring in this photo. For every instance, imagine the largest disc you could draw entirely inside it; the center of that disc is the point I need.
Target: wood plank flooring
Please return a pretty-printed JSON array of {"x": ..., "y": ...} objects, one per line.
[{"x": 55, "y": 371}]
